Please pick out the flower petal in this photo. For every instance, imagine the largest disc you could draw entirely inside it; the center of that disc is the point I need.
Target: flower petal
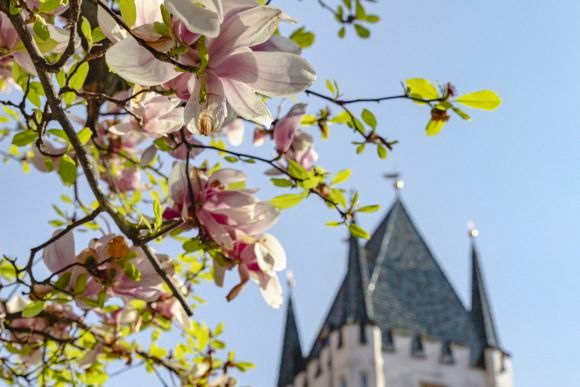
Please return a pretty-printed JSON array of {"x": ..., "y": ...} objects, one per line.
[
  {"x": 272, "y": 291},
  {"x": 207, "y": 117},
  {"x": 60, "y": 253},
  {"x": 269, "y": 73},
  {"x": 246, "y": 103},
  {"x": 135, "y": 64},
  {"x": 202, "y": 16},
  {"x": 285, "y": 129},
  {"x": 270, "y": 254}
]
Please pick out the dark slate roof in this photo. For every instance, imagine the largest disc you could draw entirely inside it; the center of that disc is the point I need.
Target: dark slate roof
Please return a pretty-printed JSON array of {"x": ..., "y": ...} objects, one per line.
[
  {"x": 352, "y": 303},
  {"x": 407, "y": 291},
  {"x": 481, "y": 314},
  {"x": 291, "y": 360}
]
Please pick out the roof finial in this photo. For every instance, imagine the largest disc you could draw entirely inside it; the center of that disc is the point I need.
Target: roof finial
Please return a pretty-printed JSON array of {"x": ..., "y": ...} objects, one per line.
[
  {"x": 398, "y": 182},
  {"x": 473, "y": 232},
  {"x": 290, "y": 279}
]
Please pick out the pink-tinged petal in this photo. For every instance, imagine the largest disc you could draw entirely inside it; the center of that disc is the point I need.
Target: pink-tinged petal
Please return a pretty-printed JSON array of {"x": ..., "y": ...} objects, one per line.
[
  {"x": 269, "y": 73},
  {"x": 264, "y": 217},
  {"x": 247, "y": 28},
  {"x": 229, "y": 6},
  {"x": 24, "y": 61},
  {"x": 216, "y": 231},
  {"x": 259, "y": 137},
  {"x": 235, "y": 132},
  {"x": 135, "y": 64},
  {"x": 270, "y": 254},
  {"x": 208, "y": 116},
  {"x": 123, "y": 128},
  {"x": 60, "y": 253},
  {"x": 177, "y": 183},
  {"x": 286, "y": 128},
  {"x": 148, "y": 12},
  {"x": 279, "y": 43},
  {"x": 227, "y": 176},
  {"x": 272, "y": 291},
  {"x": 180, "y": 315},
  {"x": 148, "y": 155},
  {"x": 202, "y": 16},
  {"x": 109, "y": 26},
  {"x": 166, "y": 124},
  {"x": 246, "y": 103}
]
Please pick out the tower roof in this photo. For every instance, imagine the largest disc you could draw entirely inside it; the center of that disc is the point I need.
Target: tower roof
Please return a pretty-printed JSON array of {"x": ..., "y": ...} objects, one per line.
[
  {"x": 481, "y": 313},
  {"x": 410, "y": 291},
  {"x": 291, "y": 360}
]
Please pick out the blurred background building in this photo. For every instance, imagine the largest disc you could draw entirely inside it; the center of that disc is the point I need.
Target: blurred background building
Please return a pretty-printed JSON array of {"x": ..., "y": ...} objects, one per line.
[{"x": 397, "y": 321}]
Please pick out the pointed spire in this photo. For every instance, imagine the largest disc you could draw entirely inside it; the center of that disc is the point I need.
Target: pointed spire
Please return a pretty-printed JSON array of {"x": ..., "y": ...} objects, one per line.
[
  {"x": 358, "y": 306},
  {"x": 481, "y": 313},
  {"x": 291, "y": 360}
]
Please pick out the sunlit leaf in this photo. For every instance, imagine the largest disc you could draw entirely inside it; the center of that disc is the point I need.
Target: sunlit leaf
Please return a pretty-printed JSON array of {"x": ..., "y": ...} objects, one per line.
[{"x": 484, "y": 99}]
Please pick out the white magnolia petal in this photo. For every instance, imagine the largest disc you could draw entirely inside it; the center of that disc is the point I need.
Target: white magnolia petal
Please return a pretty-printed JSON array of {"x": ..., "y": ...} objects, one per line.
[
  {"x": 235, "y": 132},
  {"x": 17, "y": 304},
  {"x": 109, "y": 26},
  {"x": 202, "y": 16},
  {"x": 245, "y": 29},
  {"x": 270, "y": 253},
  {"x": 148, "y": 12},
  {"x": 60, "y": 253},
  {"x": 219, "y": 272},
  {"x": 269, "y": 73},
  {"x": 123, "y": 128},
  {"x": 272, "y": 291},
  {"x": 246, "y": 103},
  {"x": 135, "y": 64}
]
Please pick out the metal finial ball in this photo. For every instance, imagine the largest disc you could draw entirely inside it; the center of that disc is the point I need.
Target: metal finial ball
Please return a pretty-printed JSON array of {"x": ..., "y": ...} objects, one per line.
[{"x": 399, "y": 184}]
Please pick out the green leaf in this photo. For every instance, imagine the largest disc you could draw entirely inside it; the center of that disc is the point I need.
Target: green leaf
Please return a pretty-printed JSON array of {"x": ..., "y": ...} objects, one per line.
[
  {"x": 47, "y": 6},
  {"x": 369, "y": 209},
  {"x": 282, "y": 183},
  {"x": 131, "y": 271},
  {"x": 434, "y": 127},
  {"x": 63, "y": 280},
  {"x": 372, "y": 19},
  {"x": 287, "y": 200},
  {"x": 296, "y": 170},
  {"x": 67, "y": 170},
  {"x": 128, "y": 11},
  {"x": 461, "y": 113},
  {"x": 347, "y": 4},
  {"x": 484, "y": 99},
  {"x": 333, "y": 224},
  {"x": 33, "y": 309},
  {"x": 360, "y": 11},
  {"x": 24, "y": 138},
  {"x": 330, "y": 86},
  {"x": 381, "y": 151},
  {"x": 87, "y": 32},
  {"x": 369, "y": 118},
  {"x": 157, "y": 212},
  {"x": 358, "y": 231},
  {"x": 40, "y": 29},
  {"x": 302, "y": 37},
  {"x": 85, "y": 135},
  {"x": 81, "y": 283},
  {"x": 342, "y": 32},
  {"x": 361, "y": 31},
  {"x": 422, "y": 89},
  {"x": 341, "y": 176},
  {"x": 78, "y": 79}
]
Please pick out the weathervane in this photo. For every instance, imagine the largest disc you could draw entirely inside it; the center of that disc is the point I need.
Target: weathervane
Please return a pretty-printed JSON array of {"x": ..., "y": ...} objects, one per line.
[
  {"x": 290, "y": 279},
  {"x": 398, "y": 182}
]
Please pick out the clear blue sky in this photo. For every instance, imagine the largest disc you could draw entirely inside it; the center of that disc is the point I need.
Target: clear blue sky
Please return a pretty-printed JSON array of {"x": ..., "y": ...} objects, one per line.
[{"x": 515, "y": 172}]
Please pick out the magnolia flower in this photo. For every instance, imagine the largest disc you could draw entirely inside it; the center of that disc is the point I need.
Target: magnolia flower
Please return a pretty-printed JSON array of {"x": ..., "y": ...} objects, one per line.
[
  {"x": 293, "y": 143},
  {"x": 220, "y": 204},
  {"x": 39, "y": 160},
  {"x": 168, "y": 307},
  {"x": 259, "y": 262},
  {"x": 233, "y": 73},
  {"x": 10, "y": 45},
  {"x": 153, "y": 115},
  {"x": 112, "y": 266}
]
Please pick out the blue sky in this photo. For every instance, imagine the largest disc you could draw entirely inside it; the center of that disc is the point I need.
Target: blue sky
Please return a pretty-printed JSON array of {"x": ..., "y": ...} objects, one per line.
[{"x": 515, "y": 172}]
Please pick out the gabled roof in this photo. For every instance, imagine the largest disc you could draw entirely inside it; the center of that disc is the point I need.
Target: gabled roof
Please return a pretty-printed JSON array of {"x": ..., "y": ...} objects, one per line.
[
  {"x": 481, "y": 314},
  {"x": 291, "y": 360}
]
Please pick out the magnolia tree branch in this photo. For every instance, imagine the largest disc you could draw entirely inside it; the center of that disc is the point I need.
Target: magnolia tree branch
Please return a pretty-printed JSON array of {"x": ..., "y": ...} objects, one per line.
[{"x": 60, "y": 116}]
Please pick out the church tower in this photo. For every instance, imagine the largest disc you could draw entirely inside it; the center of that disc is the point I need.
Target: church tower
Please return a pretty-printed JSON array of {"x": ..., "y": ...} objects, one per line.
[{"x": 396, "y": 321}]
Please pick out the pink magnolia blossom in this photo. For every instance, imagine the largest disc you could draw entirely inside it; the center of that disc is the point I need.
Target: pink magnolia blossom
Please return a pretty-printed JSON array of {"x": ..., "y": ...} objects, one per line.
[
  {"x": 103, "y": 261},
  {"x": 260, "y": 261},
  {"x": 153, "y": 115},
  {"x": 225, "y": 210},
  {"x": 168, "y": 307},
  {"x": 292, "y": 142},
  {"x": 234, "y": 73}
]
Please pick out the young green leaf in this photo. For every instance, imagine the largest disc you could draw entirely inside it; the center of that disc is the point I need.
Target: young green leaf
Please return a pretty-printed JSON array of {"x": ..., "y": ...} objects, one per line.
[
  {"x": 33, "y": 309},
  {"x": 369, "y": 118},
  {"x": 484, "y": 99},
  {"x": 341, "y": 176},
  {"x": 361, "y": 31},
  {"x": 422, "y": 89},
  {"x": 67, "y": 170},
  {"x": 358, "y": 231},
  {"x": 24, "y": 138},
  {"x": 85, "y": 135},
  {"x": 128, "y": 11},
  {"x": 287, "y": 200}
]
